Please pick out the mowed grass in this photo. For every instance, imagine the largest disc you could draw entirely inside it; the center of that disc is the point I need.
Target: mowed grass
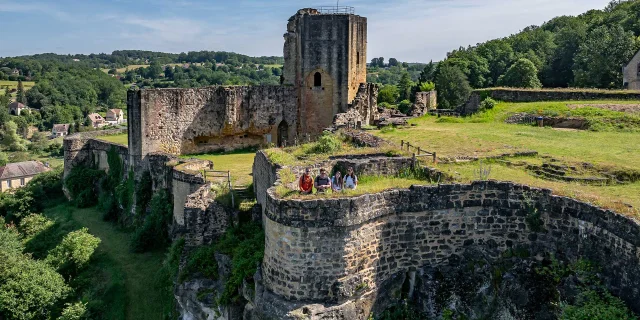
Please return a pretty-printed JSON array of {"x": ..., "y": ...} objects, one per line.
[
  {"x": 486, "y": 134},
  {"x": 239, "y": 163},
  {"x": 130, "y": 280},
  {"x": 116, "y": 138},
  {"x": 14, "y": 85}
]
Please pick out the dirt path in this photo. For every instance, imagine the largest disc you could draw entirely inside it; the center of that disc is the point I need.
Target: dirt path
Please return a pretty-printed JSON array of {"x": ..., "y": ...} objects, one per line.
[{"x": 144, "y": 300}]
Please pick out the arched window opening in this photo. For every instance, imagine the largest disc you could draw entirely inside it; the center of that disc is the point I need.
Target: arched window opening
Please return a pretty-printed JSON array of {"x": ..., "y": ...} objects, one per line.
[
  {"x": 317, "y": 80},
  {"x": 638, "y": 68}
]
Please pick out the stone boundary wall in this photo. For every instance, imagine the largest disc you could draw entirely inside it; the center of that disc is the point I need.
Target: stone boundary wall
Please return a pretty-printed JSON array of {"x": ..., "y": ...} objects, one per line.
[
  {"x": 342, "y": 253},
  {"x": 526, "y": 95},
  {"x": 86, "y": 149}
]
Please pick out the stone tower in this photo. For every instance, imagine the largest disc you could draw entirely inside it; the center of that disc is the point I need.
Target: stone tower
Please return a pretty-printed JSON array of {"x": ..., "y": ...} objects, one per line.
[{"x": 325, "y": 55}]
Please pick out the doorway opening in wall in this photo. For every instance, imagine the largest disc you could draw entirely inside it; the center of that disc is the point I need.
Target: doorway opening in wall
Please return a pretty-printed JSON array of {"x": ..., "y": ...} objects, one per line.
[
  {"x": 283, "y": 134},
  {"x": 317, "y": 80}
]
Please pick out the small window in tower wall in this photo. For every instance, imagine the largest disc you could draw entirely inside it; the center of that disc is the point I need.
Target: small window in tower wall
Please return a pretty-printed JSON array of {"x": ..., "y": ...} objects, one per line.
[
  {"x": 638, "y": 68},
  {"x": 317, "y": 80},
  {"x": 358, "y": 62}
]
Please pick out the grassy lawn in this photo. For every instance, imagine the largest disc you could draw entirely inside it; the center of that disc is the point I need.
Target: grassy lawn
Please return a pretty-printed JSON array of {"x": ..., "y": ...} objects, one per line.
[
  {"x": 239, "y": 163},
  {"x": 129, "y": 279},
  {"x": 116, "y": 138},
  {"x": 486, "y": 134}
]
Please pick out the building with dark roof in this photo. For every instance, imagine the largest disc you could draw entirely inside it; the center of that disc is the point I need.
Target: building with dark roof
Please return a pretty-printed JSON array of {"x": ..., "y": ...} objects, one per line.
[
  {"x": 16, "y": 175},
  {"x": 16, "y": 107}
]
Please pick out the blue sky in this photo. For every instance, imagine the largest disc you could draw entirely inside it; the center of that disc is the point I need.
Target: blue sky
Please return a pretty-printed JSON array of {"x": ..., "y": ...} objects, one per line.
[{"x": 409, "y": 30}]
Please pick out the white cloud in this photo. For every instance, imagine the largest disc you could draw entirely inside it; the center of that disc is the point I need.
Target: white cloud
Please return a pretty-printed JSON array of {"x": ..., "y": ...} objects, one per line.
[{"x": 34, "y": 7}]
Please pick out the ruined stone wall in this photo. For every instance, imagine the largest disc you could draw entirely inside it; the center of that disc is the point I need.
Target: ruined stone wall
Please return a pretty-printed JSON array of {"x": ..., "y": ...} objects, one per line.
[
  {"x": 196, "y": 216},
  {"x": 630, "y": 74},
  {"x": 425, "y": 101},
  {"x": 534, "y": 95},
  {"x": 85, "y": 149},
  {"x": 185, "y": 121},
  {"x": 336, "y": 250}
]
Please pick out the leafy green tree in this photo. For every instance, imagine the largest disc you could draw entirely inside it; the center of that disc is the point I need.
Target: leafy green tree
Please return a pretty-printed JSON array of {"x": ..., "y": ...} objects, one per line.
[
  {"x": 599, "y": 60},
  {"x": 381, "y": 62},
  {"x": 10, "y": 138},
  {"x": 20, "y": 95},
  {"x": 404, "y": 106},
  {"x": 393, "y": 62},
  {"x": 388, "y": 94},
  {"x": 427, "y": 86},
  {"x": 499, "y": 55},
  {"x": 428, "y": 73},
  {"x": 558, "y": 72},
  {"x": 453, "y": 86},
  {"x": 404, "y": 86},
  {"x": 154, "y": 70},
  {"x": 39, "y": 142},
  {"x": 74, "y": 251},
  {"x": 29, "y": 289},
  {"x": 3, "y": 159},
  {"x": 75, "y": 311},
  {"x": 522, "y": 74}
]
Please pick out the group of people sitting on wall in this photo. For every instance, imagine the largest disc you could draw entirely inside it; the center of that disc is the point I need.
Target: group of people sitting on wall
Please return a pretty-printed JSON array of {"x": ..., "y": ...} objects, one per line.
[{"x": 323, "y": 183}]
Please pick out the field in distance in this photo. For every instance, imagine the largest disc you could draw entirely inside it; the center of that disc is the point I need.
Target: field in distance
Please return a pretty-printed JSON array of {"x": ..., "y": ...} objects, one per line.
[{"x": 14, "y": 85}]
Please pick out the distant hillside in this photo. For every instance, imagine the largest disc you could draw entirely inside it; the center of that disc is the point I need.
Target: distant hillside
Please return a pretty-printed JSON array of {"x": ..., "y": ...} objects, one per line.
[{"x": 584, "y": 51}]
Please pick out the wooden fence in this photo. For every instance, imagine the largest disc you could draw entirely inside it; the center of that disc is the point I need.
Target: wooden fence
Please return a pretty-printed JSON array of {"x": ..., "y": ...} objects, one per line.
[
  {"x": 226, "y": 176},
  {"x": 419, "y": 152}
]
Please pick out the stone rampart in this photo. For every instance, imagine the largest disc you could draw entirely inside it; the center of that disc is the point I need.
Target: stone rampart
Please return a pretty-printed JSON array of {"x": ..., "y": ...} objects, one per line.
[
  {"x": 534, "y": 95},
  {"x": 86, "y": 149},
  {"x": 184, "y": 121},
  {"x": 346, "y": 254}
]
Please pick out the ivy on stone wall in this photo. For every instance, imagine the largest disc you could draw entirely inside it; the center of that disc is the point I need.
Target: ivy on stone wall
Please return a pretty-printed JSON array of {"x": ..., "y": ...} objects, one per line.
[
  {"x": 83, "y": 195},
  {"x": 153, "y": 232}
]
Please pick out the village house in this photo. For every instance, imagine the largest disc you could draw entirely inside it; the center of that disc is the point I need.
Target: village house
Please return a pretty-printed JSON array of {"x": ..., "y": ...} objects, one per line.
[
  {"x": 631, "y": 73},
  {"x": 15, "y": 72},
  {"x": 16, "y": 175},
  {"x": 96, "y": 120},
  {"x": 16, "y": 107},
  {"x": 115, "y": 116},
  {"x": 60, "y": 130}
]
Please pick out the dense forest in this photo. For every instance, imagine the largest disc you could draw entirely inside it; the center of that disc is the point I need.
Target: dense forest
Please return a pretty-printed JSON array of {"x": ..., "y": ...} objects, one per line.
[{"x": 584, "y": 51}]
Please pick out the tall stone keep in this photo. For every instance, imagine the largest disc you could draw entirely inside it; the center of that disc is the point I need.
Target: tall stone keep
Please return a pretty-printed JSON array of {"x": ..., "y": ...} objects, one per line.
[{"x": 325, "y": 55}]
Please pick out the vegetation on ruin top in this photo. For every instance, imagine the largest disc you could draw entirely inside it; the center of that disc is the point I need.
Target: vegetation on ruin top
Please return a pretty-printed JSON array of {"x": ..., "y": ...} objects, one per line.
[
  {"x": 613, "y": 150},
  {"x": 116, "y": 138}
]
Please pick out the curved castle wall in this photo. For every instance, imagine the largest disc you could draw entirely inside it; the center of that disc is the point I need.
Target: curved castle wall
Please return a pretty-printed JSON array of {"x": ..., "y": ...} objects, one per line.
[{"x": 338, "y": 251}]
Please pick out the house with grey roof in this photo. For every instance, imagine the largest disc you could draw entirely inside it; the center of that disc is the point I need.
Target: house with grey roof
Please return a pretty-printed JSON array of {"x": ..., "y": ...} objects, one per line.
[{"x": 16, "y": 175}]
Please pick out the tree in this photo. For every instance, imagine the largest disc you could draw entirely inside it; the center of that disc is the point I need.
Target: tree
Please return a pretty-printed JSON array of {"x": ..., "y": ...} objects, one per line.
[
  {"x": 388, "y": 94},
  {"x": 39, "y": 142},
  {"x": 393, "y": 62},
  {"x": 381, "y": 62},
  {"x": 599, "y": 60},
  {"x": 559, "y": 70},
  {"x": 74, "y": 251},
  {"x": 11, "y": 139},
  {"x": 374, "y": 62},
  {"x": 20, "y": 95},
  {"x": 522, "y": 74},
  {"x": 404, "y": 86},
  {"x": 453, "y": 86},
  {"x": 428, "y": 73},
  {"x": 154, "y": 70},
  {"x": 499, "y": 56}
]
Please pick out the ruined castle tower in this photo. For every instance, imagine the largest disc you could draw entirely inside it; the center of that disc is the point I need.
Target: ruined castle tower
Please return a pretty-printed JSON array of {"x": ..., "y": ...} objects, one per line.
[{"x": 325, "y": 55}]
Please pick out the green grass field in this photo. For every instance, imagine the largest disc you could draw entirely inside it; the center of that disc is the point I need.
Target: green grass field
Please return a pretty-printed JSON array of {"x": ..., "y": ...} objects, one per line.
[
  {"x": 116, "y": 138},
  {"x": 239, "y": 163},
  {"x": 486, "y": 134},
  {"x": 126, "y": 282},
  {"x": 14, "y": 85}
]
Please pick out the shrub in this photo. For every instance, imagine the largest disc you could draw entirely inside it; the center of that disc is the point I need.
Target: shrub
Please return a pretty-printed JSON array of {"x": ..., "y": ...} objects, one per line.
[
  {"x": 33, "y": 224},
  {"x": 74, "y": 252},
  {"x": 83, "y": 195},
  {"x": 15, "y": 206},
  {"x": 154, "y": 233},
  {"x": 46, "y": 186},
  {"x": 427, "y": 86},
  {"x": 453, "y": 86},
  {"x": 75, "y": 311},
  {"x": 522, "y": 74},
  {"x": 487, "y": 104},
  {"x": 327, "y": 143},
  {"x": 386, "y": 105},
  {"x": 593, "y": 305},
  {"x": 404, "y": 106},
  {"x": 203, "y": 261}
]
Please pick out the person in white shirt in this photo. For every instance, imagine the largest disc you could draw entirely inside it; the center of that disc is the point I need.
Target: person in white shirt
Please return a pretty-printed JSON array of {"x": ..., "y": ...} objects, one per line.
[
  {"x": 350, "y": 180},
  {"x": 337, "y": 182}
]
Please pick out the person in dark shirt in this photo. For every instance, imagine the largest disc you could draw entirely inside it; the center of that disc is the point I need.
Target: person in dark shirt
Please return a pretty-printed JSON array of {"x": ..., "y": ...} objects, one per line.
[{"x": 323, "y": 183}]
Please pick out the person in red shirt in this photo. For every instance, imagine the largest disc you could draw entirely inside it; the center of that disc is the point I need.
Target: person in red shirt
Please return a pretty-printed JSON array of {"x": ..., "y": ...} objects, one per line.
[{"x": 306, "y": 182}]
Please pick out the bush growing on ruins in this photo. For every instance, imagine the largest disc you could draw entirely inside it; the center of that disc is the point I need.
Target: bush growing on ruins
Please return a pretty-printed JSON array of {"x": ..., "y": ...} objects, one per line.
[
  {"x": 388, "y": 94},
  {"x": 327, "y": 143},
  {"x": 487, "y": 104},
  {"x": 203, "y": 261},
  {"x": 592, "y": 304},
  {"x": 79, "y": 181},
  {"x": 427, "y": 86},
  {"x": 404, "y": 106},
  {"x": 154, "y": 233}
]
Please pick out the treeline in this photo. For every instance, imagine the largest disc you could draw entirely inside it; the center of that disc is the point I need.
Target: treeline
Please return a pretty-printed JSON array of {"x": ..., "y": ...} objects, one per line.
[
  {"x": 31, "y": 66},
  {"x": 202, "y": 74}
]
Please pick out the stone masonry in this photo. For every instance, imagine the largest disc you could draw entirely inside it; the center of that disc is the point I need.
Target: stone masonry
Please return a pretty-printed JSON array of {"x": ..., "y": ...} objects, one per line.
[
  {"x": 324, "y": 76},
  {"x": 343, "y": 253}
]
